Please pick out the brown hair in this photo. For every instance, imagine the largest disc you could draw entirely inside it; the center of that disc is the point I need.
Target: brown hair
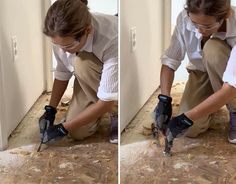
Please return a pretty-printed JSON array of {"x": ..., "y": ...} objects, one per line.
[
  {"x": 67, "y": 18},
  {"x": 216, "y": 8},
  {"x": 85, "y": 2}
]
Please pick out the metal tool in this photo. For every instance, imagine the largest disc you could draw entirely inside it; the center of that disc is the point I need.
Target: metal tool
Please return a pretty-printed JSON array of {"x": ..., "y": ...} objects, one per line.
[
  {"x": 155, "y": 135},
  {"x": 45, "y": 125},
  {"x": 41, "y": 142},
  {"x": 168, "y": 146},
  {"x": 39, "y": 148},
  {"x": 154, "y": 130}
]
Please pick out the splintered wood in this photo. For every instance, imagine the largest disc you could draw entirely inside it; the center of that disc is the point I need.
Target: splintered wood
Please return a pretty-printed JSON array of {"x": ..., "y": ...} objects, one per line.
[
  {"x": 85, "y": 163},
  {"x": 91, "y": 161},
  {"x": 208, "y": 158}
]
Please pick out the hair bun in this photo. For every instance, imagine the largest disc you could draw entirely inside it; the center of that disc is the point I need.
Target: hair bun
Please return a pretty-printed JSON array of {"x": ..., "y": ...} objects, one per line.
[{"x": 85, "y": 1}]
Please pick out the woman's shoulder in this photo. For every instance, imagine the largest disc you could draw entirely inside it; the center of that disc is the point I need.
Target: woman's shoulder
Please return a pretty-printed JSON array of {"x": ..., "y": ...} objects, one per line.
[
  {"x": 104, "y": 17},
  {"x": 101, "y": 22},
  {"x": 182, "y": 19}
]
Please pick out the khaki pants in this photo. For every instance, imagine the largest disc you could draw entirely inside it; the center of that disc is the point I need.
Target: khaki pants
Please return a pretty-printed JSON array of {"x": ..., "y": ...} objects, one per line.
[
  {"x": 201, "y": 85},
  {"x": 88, "y": 69}
]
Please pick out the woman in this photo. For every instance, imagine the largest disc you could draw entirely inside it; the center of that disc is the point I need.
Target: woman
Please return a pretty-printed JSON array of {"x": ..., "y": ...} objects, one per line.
[
  {"x": 84, "y": 46},
  {"x": 206, "y": 31}
]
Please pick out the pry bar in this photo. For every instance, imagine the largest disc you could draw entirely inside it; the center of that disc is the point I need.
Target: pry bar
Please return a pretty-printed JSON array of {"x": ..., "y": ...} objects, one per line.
[{"x": 168, "y": 146}]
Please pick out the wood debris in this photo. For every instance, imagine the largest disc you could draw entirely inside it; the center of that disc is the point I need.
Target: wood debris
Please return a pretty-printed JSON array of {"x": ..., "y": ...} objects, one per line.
[{"x": 147, "y": 131}]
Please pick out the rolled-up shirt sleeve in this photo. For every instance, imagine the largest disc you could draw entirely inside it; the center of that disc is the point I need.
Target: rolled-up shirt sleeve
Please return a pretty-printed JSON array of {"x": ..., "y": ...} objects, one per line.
[
  {"x": 229, "y": 75},
  {"x": 108, "y": 87},
  {"x": 174, "y": 55}
]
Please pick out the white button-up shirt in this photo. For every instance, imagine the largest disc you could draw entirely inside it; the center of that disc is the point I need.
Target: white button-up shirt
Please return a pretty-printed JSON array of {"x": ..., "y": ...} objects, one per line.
[
  {"x": 103, "y": 43},
  {"x": 187, "y": 39}
]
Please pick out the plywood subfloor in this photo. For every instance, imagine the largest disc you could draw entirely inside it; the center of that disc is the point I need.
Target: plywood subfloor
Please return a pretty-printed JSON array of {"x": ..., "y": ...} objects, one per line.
[
  {"x": 93, "y": 160},
  {"x": 207, "y": 159}
]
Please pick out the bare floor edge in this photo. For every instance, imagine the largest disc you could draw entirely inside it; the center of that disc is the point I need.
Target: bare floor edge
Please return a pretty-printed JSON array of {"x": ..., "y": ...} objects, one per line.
[
  {"x": 93, "y": 160},
  {"x": 208, "y": 158}
]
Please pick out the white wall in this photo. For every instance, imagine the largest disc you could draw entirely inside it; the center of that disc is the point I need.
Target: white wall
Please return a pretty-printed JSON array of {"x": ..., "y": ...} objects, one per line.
[
  {"x": 23, "y": 80},
  {"x": 3, "y": 134},
  {"x": 140, "y": 70},
  {"x": 103, "y": 6},
  {"x": 181, "y": 75}
]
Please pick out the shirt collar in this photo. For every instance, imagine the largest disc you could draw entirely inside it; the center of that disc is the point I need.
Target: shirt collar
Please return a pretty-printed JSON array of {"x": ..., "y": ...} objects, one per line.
[
  {"x": 191, "y": 27},
  {"x": 88, "y": 47},
  {"x": 189, "y": 24},
  {"x": 230, "y": 25},
  {"x": 89, "y": 43}
]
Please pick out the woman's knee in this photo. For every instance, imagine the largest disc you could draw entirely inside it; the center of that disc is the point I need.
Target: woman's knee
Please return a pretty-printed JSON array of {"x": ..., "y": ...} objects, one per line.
[
  {"x": 215, "y": 50},
  {"x": 85, "y": 131},
  {"x": 199, "y": 127}
]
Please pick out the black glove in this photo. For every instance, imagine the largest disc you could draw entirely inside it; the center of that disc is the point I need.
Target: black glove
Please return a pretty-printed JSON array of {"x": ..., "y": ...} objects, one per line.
[
  {"x": 54, "y": 133},
  {"x": 163, "y": 112},
  {"x": 47, "y": 119},
  {"x": 178, "y": 126}
]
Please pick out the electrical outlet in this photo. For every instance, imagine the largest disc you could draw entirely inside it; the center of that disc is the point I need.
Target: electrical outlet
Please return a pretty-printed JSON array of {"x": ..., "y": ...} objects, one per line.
[
  {"x": 14, "y": 48},
  {"x": 133, "y": 39}
]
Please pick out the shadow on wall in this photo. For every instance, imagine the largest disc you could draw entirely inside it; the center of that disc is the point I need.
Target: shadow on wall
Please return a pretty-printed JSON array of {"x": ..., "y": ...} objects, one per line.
[
  {"x": 128, "y": 78},
  {"x": 23, "y": 79},
  {"x": 13, "y": 99},
  {"x": 139, "y": 69},
  {"x": 128, "y": 82}
]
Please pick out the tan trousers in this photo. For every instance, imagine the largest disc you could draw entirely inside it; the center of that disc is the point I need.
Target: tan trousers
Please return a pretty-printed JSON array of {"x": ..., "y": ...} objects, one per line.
[
  {"x": 201, "y": 85},
  {"x": 88, "y": 69}
]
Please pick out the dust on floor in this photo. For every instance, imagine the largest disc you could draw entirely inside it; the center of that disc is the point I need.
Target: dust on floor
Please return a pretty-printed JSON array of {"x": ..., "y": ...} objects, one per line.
[
  {"x": 207, "y": 159},
  {"x": 93, "y": 160}
]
